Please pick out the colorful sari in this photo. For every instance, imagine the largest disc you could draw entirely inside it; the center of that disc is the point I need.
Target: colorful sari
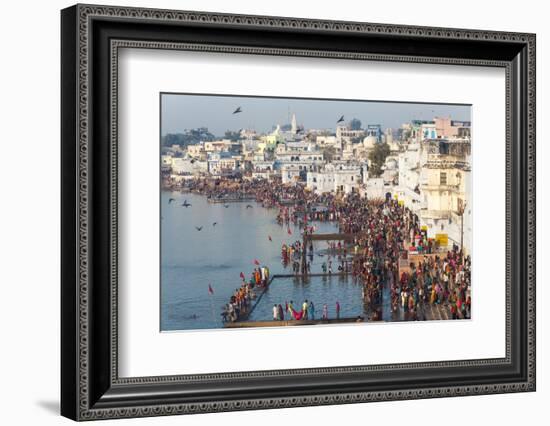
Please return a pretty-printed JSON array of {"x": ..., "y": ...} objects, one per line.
[{"x": 296, "y": 315}]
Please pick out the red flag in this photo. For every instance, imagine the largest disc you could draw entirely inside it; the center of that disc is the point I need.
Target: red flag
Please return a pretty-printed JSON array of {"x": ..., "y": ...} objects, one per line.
[
  {"x": 242, "y": 276},
  {"x": 256, "y": 262},
  {"x": 289, "y": 231},
  {"x": 269, "y": 236},
  {"x": 210, "y": 289}
]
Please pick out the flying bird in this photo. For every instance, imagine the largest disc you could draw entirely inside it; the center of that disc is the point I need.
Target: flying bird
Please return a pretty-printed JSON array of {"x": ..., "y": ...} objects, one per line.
[
  {"x": 226, "y": 205},
  {"x": 170, "y": 200},
  {"x": 248, "y": 206},
  {"x": 340, "y": 119},
  {"x": 186, "y": 204},
  {"x": 198, "y": 228},
  {"x": 237, "y": 110},
  {"x": 215, "y": 223}
]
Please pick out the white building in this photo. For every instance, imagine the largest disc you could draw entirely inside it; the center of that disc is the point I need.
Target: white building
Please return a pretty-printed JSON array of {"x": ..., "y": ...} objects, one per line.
[
  {"x": 292, "y": 173},
  {"x": 250, "y": 146},
  {"x": 344, "y": 134},
  {"x": 335, "y": 178},
  {"x": 446, "y": 193},
  {"x": 263, "y": 174},
  {"x": 303, "y": 154},
  {"x": 296, "y": 147},
  {"x": 259, "y": 165},
  {"x": 223, "y": 162},
  {"x": 323, "y": 141},
  {"x": 224, "y": 145},
  {"x": 188, "y": 166},
  {"x": 355, "y": 151},
  {"x": 410, "y": 164},
  {"x": 196, "y": 151}
]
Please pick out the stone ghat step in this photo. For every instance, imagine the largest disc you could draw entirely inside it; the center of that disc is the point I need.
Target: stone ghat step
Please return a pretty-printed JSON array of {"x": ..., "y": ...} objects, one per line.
[
  {"x": 329, "y": 237},
  {"x": 334, "y": 274},
  {"x": 285, "y": 323}
]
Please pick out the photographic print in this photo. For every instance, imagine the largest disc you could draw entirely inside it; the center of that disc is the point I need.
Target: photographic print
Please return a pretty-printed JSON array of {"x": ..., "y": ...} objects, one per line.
[{"x": 283, "y": 212}]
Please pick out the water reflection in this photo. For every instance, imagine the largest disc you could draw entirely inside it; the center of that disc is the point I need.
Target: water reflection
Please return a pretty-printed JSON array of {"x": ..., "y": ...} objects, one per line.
[{"x": 191, "y": 259}]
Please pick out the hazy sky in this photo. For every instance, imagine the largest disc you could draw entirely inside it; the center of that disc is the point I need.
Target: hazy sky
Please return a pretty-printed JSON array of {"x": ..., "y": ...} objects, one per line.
[{"x": 181, "y": 111}]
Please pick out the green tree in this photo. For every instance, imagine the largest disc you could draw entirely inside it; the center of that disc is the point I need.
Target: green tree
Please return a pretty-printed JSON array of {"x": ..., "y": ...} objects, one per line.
[
  {"x": 190, "y": 137},
  {"x": 377, "y": 158}
]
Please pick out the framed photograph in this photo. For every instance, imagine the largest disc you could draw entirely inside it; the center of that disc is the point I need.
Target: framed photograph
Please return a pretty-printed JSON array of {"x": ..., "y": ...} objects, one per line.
[{"x": 264, "y": 212}]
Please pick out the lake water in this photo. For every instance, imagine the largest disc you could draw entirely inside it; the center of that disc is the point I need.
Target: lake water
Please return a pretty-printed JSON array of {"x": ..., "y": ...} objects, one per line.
[{"x": 216, "y": 255}]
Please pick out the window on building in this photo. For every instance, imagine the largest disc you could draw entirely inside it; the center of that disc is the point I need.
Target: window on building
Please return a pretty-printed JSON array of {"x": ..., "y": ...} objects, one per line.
[{"x": 443, "y": 178}]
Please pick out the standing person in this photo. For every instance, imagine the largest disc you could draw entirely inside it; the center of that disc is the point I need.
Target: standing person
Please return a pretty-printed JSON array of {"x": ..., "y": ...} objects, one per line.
[
  {"x": 325, "y": 312},
  {"x": 453, "y": 311},
  {"x": 290, "y": 309},
  {"x": 281, "y": 312},
  {"x": 311, "y": 310},
  {"x": 275, "y": 313},
  {"x": 231, "y": 313},
  {"x": 304, "y": 310},
  {"x": 225, "y": 313},
  {"x": 433, "y": 295},
  {"x": 459, "y": 307},
  {"x": 337, "y": 309}
]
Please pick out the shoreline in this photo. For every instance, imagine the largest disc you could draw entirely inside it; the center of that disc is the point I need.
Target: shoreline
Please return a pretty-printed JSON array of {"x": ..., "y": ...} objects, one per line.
[{"x": 352, "y": 214}]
